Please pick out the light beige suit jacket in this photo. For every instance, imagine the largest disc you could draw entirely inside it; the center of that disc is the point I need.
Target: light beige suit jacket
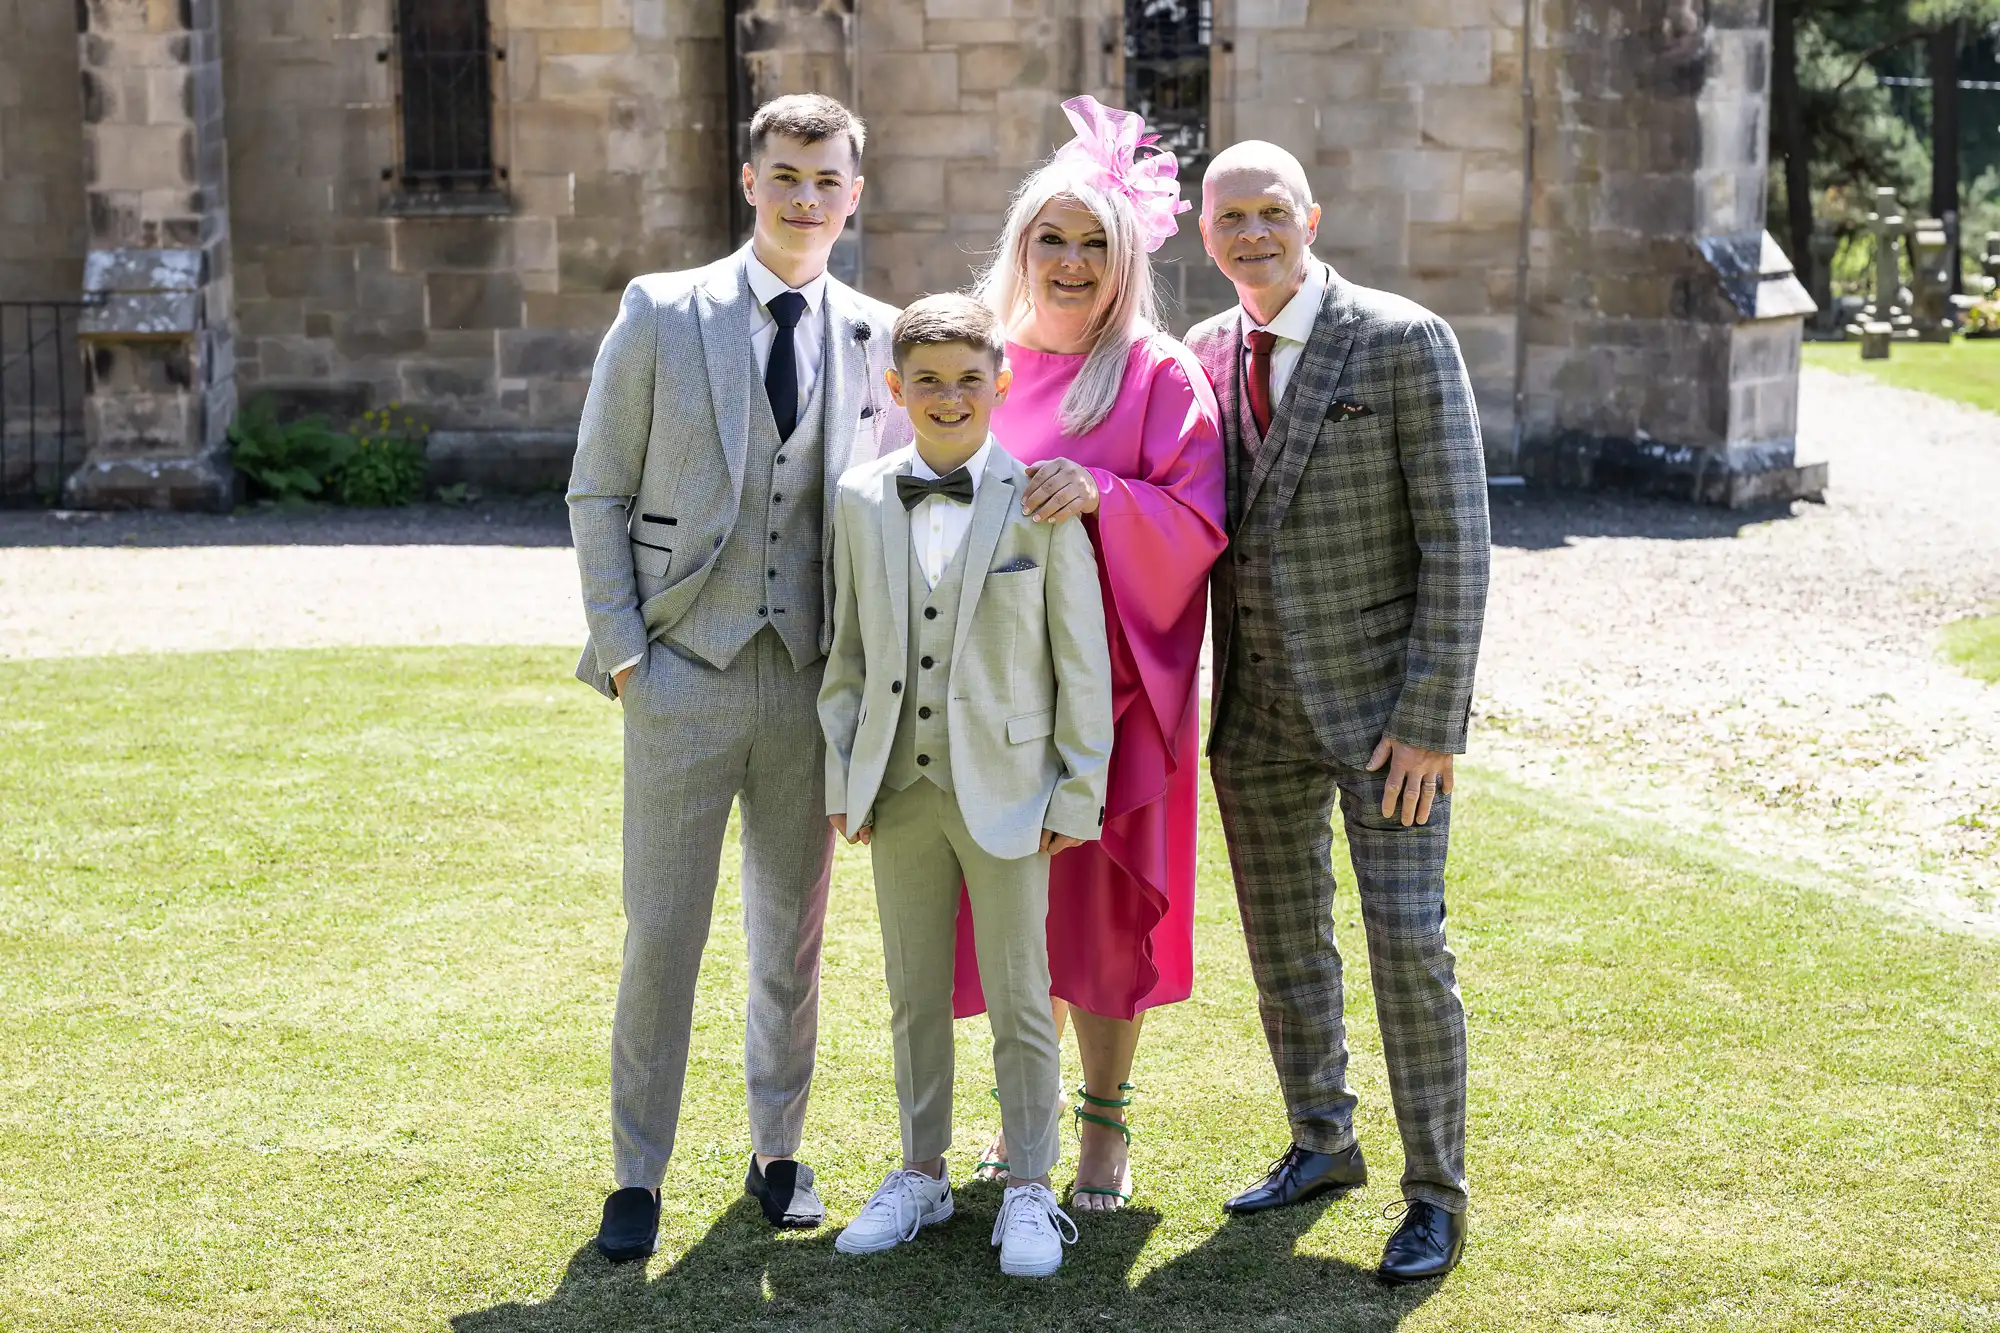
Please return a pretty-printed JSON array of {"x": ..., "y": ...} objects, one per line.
[{"x": 1029, "y": 707}]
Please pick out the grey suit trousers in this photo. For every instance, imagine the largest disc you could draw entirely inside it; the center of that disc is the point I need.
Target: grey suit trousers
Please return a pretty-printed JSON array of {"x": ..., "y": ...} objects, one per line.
[
  {"x": 922, "y": 852},
  {"x": 696, "y": 741},
  {"x": 1275, "y": 789}
]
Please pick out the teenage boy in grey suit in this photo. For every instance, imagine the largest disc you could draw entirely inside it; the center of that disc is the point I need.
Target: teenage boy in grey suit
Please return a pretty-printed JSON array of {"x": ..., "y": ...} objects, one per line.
[
  {"x": 967, "y": 708},
  {"x": 1347, "y": 622},
  {"x": 725, "y": 403}
]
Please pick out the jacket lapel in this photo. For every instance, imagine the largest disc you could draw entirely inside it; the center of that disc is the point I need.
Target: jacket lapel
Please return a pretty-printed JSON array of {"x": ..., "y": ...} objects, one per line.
[
  {"x": 843, "y": 378},
  {"x": 1307, "y": 397},
  {"x": 896, "y": 552},
  {"x": 724, "y": 305},
  {"x": 997, "y": 496}
]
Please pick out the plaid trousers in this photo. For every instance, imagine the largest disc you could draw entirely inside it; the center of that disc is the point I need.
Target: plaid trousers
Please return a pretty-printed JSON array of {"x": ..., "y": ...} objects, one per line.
[{"x": 1276, "y": 789}]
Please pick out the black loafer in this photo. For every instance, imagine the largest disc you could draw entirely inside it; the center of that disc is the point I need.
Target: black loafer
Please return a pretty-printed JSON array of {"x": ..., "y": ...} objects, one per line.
[
  {"x": 786, "y": 1194},
  {"x": 1302, "y": 1174},
  {"x": 1426, "y": 1245},
  {"x": 631, "y": 1227}
]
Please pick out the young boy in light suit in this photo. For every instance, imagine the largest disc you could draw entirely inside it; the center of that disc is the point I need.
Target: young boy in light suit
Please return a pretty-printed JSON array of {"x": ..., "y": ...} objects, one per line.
[{"x": 967, "y": 710}]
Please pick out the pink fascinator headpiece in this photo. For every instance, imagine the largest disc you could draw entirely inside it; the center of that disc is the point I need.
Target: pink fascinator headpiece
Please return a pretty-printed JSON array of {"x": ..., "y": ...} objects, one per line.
[{"x": 1109, "y": 147}]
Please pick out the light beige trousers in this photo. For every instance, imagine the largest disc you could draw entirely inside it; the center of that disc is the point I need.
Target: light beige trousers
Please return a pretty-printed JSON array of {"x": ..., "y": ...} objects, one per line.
[{"x": 922, "y": 852}]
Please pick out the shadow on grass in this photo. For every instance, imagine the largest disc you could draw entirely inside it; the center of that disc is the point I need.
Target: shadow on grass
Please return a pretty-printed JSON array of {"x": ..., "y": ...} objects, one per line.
[{"x": 742, "y": 1275}]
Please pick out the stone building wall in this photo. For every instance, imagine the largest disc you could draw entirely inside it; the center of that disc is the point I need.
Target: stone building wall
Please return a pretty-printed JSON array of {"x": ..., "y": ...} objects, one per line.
[
  {"x": 610, "y": 127},
  {"x": 42, "y": 232}
]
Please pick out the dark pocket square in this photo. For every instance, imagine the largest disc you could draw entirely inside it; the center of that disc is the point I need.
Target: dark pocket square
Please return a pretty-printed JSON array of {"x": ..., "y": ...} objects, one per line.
[
  {"x": 868, "y": 411},
  {"x": 1015, "y": 566},
  {"x": 1342, "y": 410}
]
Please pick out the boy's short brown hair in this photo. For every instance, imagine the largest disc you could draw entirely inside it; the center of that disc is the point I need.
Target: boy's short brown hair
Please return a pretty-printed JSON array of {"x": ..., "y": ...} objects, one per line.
[
  {"x": 809, "y": 118},
  {"x": 950, "y": 317}
]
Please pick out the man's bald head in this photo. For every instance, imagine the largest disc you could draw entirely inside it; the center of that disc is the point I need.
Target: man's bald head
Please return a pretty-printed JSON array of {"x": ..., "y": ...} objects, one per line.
[
  {"x": 1250, "y": 167},
  {"x": 1258, "y": 223}
]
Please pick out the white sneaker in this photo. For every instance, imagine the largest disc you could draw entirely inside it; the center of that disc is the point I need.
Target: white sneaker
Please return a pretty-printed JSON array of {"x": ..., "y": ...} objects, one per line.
[
  {"x": 1031, "y": 1230},
  {"x": 907, "y": 1202}
]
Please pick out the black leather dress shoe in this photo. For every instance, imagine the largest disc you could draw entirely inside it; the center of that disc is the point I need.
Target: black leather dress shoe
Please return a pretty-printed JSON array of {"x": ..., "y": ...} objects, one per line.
[
  {"x": 1426, "y": 1245},
  {"x": 1302, "y": 1174},
  {"x": 786, "y": 1194},
  {"x": 631, "y": 1228}
]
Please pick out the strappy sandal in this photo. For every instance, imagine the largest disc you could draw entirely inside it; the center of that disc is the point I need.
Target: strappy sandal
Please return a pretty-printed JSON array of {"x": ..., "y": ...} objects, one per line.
[
  {"x": 999, "y": 1168},
  {"x": 1123, "y": 1196}
]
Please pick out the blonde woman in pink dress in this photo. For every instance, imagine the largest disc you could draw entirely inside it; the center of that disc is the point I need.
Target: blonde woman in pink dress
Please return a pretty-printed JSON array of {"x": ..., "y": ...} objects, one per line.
[{"x": 1119, "y": 425}]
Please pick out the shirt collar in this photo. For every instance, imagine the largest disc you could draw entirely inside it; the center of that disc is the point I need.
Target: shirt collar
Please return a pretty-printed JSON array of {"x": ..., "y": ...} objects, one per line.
[
  {"x": 976, "y": 465},
  {"x": 1295, "y": 322},
  {"x": 765, "y": 284}
]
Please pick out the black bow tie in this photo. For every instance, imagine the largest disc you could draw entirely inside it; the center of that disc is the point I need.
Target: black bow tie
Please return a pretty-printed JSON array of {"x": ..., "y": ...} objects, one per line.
[{"x": 914, "y": 490}]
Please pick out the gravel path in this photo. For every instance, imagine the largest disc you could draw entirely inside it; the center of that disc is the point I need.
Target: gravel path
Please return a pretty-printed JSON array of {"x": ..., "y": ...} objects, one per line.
[{"x": 1769, "y": 681}]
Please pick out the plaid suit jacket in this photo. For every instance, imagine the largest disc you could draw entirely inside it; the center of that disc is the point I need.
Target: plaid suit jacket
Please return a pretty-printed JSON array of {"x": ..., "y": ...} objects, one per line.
[{"x": 1376, "y": 479}]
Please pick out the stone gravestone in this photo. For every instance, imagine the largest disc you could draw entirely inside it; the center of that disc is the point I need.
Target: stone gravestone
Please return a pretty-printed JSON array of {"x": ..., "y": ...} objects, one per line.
[
  {"x": 1887, "y": 311},
  {"x": 1931, "y": 314}
]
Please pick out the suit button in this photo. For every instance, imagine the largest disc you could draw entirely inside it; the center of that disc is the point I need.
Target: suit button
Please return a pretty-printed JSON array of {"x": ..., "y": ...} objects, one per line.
[
  {"x": 772, "y": 572},
  {"x": 925, "y": 711},
  {"x": 926, "y": 663},
  {"x": 763, "y": 610},
  {"x": 896, "y": 687},
  {"x": 1242, "y": 557},
  {"x": 1256, "y": 657},
  {"x": 774, "y": 536},
  {"x": 777, "y": 499},
  {"x": 930, "y": 613},
  {"x": 781, "y": 460},
  {"x": 923, "y": 761}
]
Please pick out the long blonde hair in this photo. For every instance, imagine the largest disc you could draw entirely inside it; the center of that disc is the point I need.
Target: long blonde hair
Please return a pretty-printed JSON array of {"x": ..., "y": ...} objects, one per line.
[{"x": 1127, "y": 306}]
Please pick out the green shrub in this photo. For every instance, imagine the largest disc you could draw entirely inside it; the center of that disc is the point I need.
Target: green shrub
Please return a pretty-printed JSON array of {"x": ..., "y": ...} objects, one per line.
[
  {"x": 286, "y": 461},
  {"x": 387, "y": 465}
]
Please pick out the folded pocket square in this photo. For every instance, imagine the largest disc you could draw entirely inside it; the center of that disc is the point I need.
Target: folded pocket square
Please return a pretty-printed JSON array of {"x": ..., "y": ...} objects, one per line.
[
  {"x": 1015, "y": 566},
  {"x": 1342, "y": 410},
  {"x": 867, "y": 411}
]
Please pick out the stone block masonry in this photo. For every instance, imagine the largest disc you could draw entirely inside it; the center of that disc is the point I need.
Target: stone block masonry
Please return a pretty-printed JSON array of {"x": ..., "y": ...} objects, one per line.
[{"x": 158, "y": 344}]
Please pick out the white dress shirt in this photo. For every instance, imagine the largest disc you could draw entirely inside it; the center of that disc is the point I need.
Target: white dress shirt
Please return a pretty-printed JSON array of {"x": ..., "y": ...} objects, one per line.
[
  {"x": 938, "y": 525},
  {"x": 808, "y": 337},
  {"x": 1294, "y": 326}
]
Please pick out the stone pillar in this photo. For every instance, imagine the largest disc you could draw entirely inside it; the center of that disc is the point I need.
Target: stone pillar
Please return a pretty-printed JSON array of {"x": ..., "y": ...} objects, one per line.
[
  {"x": 1664, "y": 323},
  {"x": 159, "y": 375}
]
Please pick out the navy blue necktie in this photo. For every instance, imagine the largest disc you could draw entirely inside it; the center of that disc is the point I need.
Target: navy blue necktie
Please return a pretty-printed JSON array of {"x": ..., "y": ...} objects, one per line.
[{"x": 781, "y": 372}]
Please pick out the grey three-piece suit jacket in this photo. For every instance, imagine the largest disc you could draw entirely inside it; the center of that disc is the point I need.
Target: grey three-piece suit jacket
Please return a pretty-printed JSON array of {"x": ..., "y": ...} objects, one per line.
[
  {"x": 704, "y": 542},
  {"x": 1029, "y": 706},
  {"x": 1349, "y": 608}
]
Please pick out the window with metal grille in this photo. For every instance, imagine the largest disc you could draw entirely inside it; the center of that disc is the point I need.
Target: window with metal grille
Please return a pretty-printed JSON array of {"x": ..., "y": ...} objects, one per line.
[
  {"x": 444, "y": 51},
  {"x": 1166, "y": 73}
]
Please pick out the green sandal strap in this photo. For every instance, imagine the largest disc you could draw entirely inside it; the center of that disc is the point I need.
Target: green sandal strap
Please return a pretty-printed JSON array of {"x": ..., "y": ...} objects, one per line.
[
  {"x": 1106, "y": 1101},
  {"x": 1123, "y": 1196},
  {"x": 1105, "y": 1120}
]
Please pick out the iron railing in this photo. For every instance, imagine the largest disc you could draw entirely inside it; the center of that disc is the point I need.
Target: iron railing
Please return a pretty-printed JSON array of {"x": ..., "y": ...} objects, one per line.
[
  {"x": 41, "y": 400},
  {"x": 445, "y": 56},
  {"x": 1167, "y": 73}
]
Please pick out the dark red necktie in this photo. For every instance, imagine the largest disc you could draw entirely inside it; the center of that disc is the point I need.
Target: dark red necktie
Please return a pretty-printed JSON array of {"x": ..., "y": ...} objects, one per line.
[{"x": 1262, "y": 341}]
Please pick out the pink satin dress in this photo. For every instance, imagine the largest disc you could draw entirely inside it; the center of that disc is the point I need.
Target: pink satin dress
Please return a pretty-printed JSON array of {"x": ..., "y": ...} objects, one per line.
[{"x": 1121, "y": 910}]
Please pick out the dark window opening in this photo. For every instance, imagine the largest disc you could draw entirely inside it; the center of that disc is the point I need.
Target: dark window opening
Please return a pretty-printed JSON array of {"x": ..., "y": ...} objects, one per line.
[
  {"x": 445, "y": 54},
  {"x": 1166, "y": 73}
]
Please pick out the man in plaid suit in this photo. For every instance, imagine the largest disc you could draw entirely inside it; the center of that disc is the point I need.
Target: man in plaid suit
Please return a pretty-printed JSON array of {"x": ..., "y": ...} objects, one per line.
[{"x": 1347, "y": 622}]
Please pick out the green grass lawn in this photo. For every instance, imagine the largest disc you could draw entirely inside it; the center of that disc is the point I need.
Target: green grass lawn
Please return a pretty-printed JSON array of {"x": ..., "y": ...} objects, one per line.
[
  {"x": 1967, "y": 369},
  {"x": 306, "y": 972},
  {"x": 1974, "y": 644}
]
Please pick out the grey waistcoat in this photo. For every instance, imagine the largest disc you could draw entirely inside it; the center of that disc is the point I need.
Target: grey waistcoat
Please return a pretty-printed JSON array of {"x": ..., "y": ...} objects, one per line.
[
  {"x": 1256, "y": 639},
  {"x": 933, "y": 621},
  {"x": 768, "y": 572}
]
